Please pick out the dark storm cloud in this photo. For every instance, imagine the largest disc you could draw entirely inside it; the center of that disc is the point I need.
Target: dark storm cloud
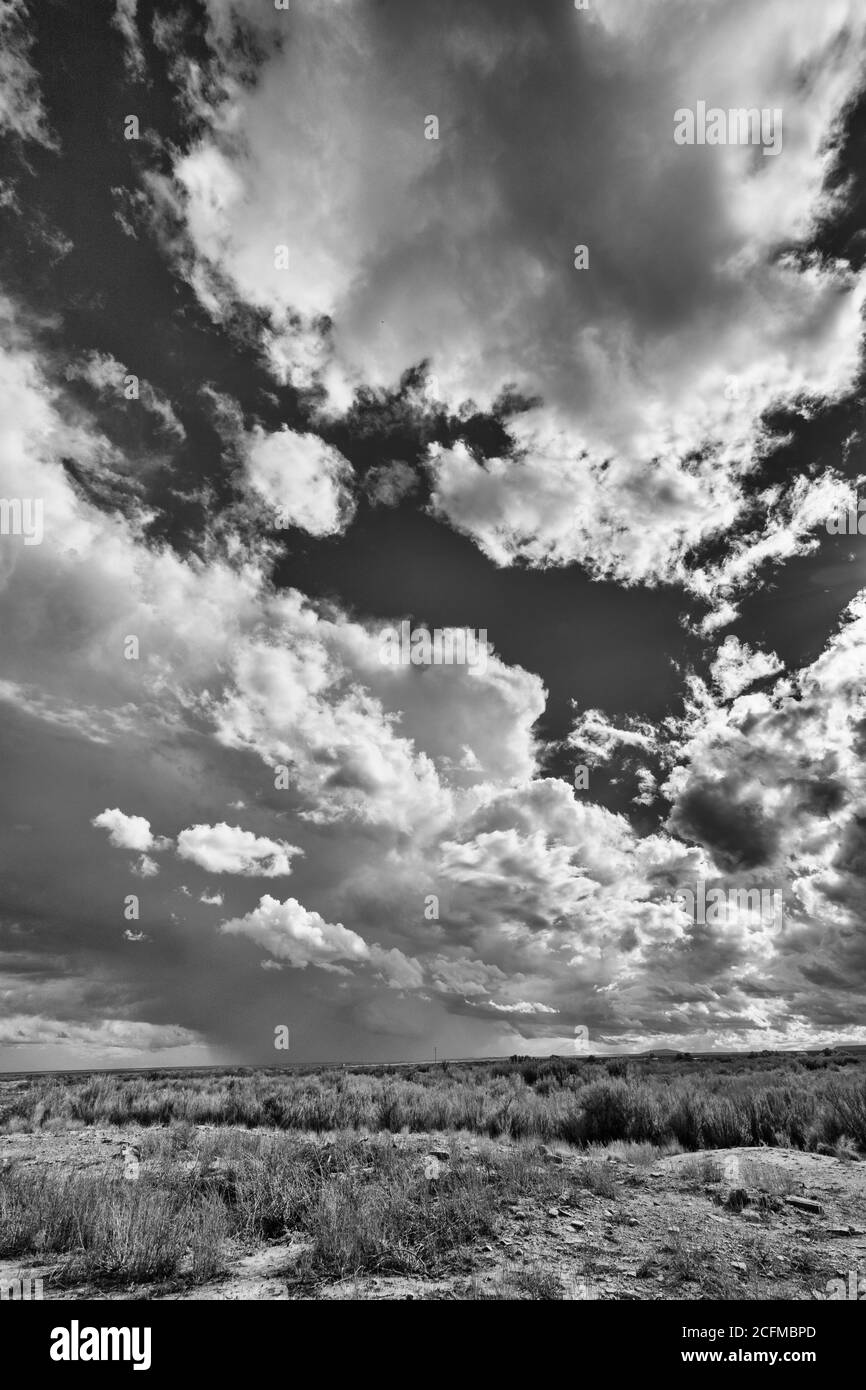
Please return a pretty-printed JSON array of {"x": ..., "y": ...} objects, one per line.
[{"x": 736, "y": 832}]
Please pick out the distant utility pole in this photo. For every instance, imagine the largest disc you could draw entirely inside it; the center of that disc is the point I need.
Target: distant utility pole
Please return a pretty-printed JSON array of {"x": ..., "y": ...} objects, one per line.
[{"x": 435, "y": 1055}]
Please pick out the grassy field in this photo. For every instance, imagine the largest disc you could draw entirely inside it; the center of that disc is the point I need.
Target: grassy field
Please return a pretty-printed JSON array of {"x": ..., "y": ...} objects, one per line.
[
  {"x": 340, "y": 1164},
  {"x": 782, "y": 1099}
]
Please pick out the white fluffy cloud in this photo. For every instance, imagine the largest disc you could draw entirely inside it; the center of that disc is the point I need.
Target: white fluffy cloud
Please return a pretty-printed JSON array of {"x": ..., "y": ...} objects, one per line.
[
  {"x": 227, "y": 849},
  {"x": 737, "y": 666},
  {"x": 125, "y": 832},
  {"x": 293, "y": 933},
  {"x": 305, "y": 481},
  {"x": 366, "y": 740}
]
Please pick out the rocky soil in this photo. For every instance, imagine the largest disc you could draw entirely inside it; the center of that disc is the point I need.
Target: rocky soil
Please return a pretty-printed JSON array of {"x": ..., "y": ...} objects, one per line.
[{"x": 736, "y": 1223}]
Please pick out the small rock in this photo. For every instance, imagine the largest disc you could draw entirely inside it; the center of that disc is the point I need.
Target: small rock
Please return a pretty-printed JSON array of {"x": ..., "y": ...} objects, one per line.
[
  {"x": 578, "y": 1225},
  {"x": 839, "y": 1231},
  {"x": 805, "y": 1204},
  {"x": 738, "y": 1264},
  {"x": 554, "y": 1211},
  {"x": 431, "y": 1168}
]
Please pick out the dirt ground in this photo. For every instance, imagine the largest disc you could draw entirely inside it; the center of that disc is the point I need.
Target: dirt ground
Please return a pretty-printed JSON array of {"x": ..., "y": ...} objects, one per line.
[{"x": 721, "y": 1224}]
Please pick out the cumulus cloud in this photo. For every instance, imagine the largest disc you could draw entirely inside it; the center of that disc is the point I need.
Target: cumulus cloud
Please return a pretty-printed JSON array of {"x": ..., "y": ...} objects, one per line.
[
  {"x": 736, "y": 666},
  {"x": 364, "y": 740},
  {"x": 401, "y": 972},
  {"x": 464, "y": 974},
  {"x": 146, "y": 867},
  {"x": 227, "y": 849},
  {"x": 654, "y": 367},
  {"x": 125, "y": 832},
  {"x": 294, "y": 934},
  {"x": 772, "y": 779},
  {"x": 303, "y": 480},
  {"x": 299, "y": 937}
]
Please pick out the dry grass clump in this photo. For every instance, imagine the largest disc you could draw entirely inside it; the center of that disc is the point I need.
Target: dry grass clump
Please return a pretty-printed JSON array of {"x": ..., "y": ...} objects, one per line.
[{"x": 354, "y": 1205}]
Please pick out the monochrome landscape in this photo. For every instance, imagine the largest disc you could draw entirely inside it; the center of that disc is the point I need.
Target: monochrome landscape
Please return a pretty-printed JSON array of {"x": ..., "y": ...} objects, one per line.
[{"x": 432, "y": 650}]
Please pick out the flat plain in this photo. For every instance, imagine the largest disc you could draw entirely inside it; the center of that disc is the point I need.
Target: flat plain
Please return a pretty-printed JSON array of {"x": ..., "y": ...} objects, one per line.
[{"x": 659, "y": 1177}]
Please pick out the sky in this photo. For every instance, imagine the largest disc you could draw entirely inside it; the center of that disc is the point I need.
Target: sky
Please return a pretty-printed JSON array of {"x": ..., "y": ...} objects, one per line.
[{"x": 324, "y": 319}]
